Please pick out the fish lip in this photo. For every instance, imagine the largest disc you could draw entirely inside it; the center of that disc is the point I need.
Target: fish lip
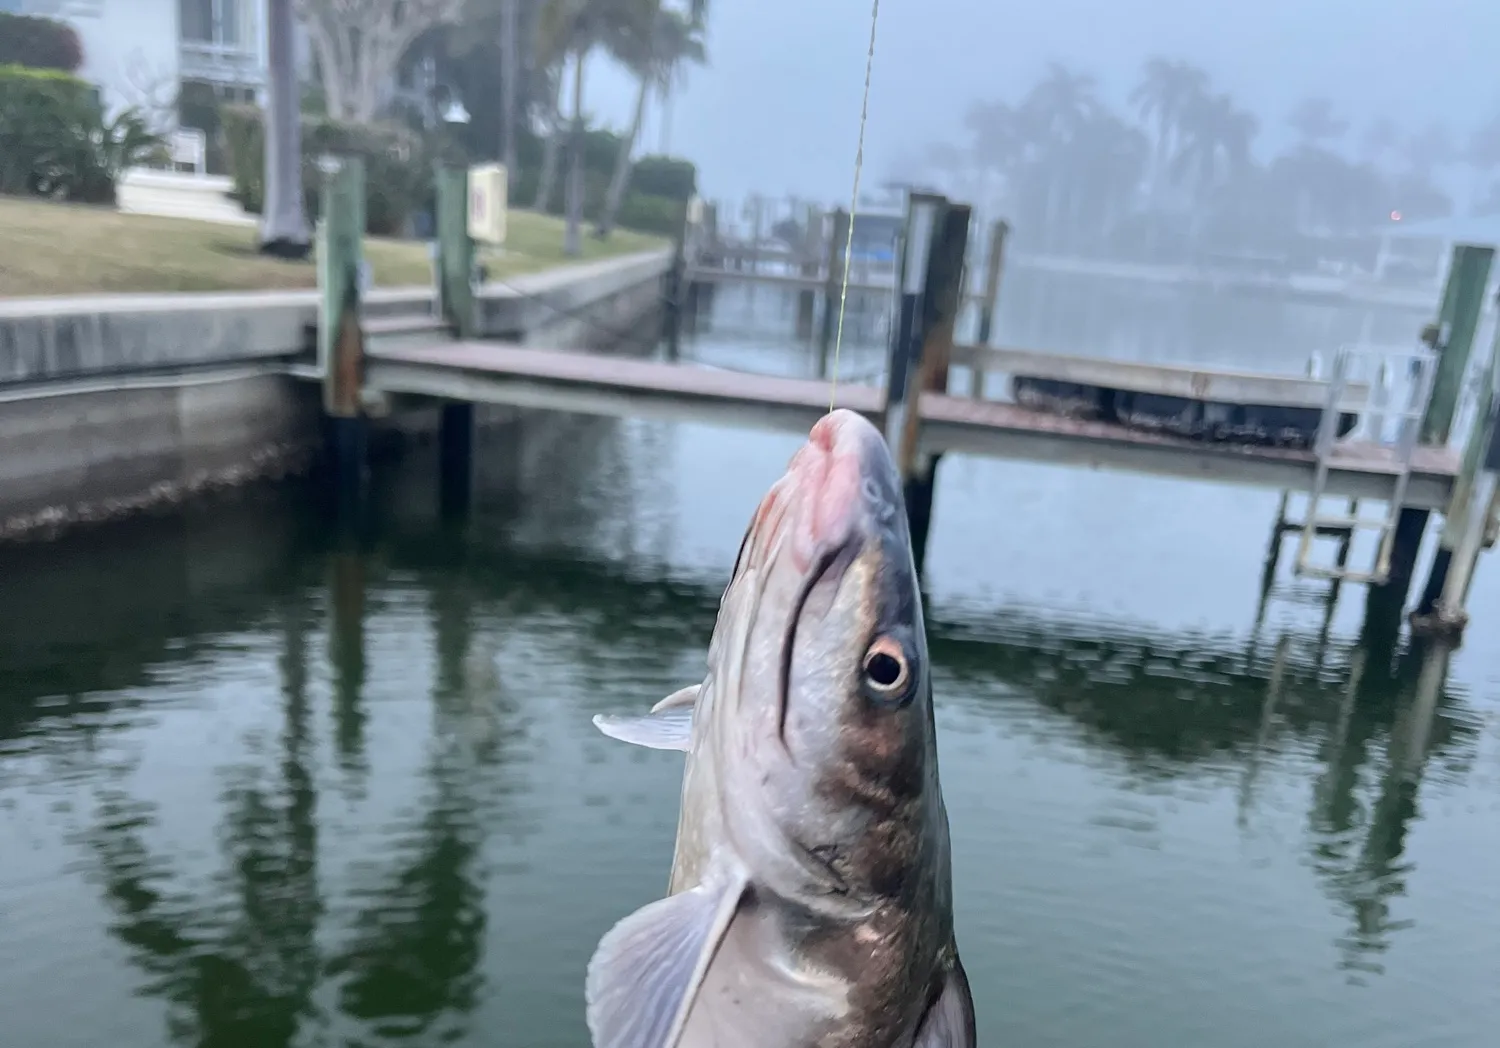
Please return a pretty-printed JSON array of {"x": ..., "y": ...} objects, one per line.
[{"x": 828, "y": 558}]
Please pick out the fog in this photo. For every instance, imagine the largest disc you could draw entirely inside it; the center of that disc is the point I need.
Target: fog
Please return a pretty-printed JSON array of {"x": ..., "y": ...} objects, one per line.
[{"x": 777, "y": 108}]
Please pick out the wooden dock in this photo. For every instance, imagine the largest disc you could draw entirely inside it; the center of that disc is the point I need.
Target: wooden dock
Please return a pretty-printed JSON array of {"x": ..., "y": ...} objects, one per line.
[
  {"x": 1166, "y": 420},
  {"x": 560, "y": 380}
]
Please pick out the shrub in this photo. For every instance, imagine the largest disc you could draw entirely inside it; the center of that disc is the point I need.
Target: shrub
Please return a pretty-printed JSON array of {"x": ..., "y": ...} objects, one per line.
[
  {"x": 56, "y": 141},
  {"x": 664, "y": 176},
  {"x": 647, "y": 213},
  {"x": 398, "y": 176},
  {"x": 39, "y": 43}
]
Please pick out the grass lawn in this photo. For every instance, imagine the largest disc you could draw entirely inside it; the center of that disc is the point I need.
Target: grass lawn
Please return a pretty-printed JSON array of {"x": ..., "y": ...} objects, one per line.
[{"x": 62, "y": 249}]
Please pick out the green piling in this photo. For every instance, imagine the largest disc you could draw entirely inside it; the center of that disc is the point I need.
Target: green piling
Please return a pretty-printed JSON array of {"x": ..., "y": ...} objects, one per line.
[
  {"x": 455, "y": 250},
  {"x": 1452, "y": 337},
  {"x": 340, "y": 340}
]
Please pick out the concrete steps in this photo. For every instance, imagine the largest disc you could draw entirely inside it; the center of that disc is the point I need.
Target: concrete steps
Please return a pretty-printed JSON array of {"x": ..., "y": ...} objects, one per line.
[{"x": 205, "y": 198}]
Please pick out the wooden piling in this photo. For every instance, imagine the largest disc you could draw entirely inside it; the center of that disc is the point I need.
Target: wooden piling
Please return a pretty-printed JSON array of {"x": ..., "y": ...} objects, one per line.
[
  {"x": 833, "y": 282},
  {"x": 994, "y": 264},
  {"x": 1466, "y": 519},
  {"x": 456, "y": 458},
  {"x": 457, "y": 303},
  {"x": 931, "y": 282},
  {"x": 1452, "y": 336},
  {"x": 340, "y": 341},
  {"x": 455, "y": 249}
]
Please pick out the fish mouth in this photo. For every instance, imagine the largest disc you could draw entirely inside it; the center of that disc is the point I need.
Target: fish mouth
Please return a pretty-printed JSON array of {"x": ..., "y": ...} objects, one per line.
[{"x": 841, "y": 491}]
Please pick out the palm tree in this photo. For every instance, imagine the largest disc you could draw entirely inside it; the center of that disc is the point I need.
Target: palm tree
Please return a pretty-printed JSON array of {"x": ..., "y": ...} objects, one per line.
[
  {"x": 1060, "y": 103},
  {"x": 283, "y": 229},
  {"x": 575, "y": 28},
  {"x": 1167, "y": 91},
  {"x": 1215, "y": 143},
  {"x": 655, "y": 49},
  {"x": 995, "y": 146},
  {"x": 552, "y": 145}
]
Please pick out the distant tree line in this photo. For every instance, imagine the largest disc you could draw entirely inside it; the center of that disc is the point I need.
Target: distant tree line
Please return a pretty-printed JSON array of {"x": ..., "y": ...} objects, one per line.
[{"x": 1177, "y": 169}]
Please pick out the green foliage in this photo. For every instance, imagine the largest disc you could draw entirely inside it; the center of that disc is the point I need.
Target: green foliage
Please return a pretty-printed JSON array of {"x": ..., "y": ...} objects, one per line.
[
  {"x": 56, "y": 141},
  {"x": 664, "y": 176},
  {"x": 39, "y": 43},
  {"x": 651, "y": 214},
  {"x": 398, "y": 170}
]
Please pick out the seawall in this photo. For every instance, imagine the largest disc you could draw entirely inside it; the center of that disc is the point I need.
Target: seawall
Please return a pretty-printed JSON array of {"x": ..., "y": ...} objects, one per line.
[{"x": 114, "y": 403}]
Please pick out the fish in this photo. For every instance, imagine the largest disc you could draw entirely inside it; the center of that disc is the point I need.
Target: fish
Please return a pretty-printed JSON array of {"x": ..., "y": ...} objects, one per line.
[{"x": 810, "y": 900}]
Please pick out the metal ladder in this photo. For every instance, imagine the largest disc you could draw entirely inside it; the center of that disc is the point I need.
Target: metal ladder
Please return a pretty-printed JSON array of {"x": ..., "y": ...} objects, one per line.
[{"x": 1420, "y": 370}]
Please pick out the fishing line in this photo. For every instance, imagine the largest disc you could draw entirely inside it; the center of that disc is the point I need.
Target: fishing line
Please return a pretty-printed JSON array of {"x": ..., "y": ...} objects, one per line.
[{"x": 859, "y": 163}]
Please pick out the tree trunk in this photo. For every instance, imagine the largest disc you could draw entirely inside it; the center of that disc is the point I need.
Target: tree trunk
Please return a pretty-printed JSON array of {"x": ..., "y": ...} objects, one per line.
[
  {"x": 510, "y": 78},
  {"x": 283, "y": 227},
  {"x": 547, "y": 179},
  {"x": 573, "y": 232},
  {"x": 619, "y": 180}
]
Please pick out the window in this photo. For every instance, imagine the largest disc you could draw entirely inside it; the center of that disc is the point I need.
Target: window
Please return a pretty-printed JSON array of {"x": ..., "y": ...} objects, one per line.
[{"x": 218, "y": 22}]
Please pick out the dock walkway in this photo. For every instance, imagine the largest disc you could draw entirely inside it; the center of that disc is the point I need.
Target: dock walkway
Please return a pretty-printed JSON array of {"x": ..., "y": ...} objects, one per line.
[{"x": 563, "y": 380}]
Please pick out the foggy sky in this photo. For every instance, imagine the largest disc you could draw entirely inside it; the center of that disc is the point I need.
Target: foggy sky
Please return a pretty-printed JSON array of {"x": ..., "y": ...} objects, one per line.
[{"x": 777, "y": 110}]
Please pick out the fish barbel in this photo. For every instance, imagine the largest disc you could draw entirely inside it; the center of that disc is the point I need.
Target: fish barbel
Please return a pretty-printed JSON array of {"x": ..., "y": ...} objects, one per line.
[{"x": 810, "y": 899}]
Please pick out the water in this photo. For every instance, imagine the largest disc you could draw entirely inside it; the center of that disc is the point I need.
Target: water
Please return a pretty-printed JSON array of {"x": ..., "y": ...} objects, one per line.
[{"x": 260, "y": 786}]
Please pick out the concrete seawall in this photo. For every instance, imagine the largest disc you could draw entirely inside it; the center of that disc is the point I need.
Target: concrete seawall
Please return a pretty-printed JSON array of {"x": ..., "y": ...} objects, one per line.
[{"x": 113, "y": 403}]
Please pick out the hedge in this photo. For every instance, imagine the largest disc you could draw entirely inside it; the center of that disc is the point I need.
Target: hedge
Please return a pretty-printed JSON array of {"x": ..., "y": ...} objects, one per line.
[
  {"x": 398, "y": 173},
  {"x": 39, "y": 43},
  {"x": 55, "y": 140},
  {"x": 648, "y": 213},
  {"x": 664, "y": 176}
]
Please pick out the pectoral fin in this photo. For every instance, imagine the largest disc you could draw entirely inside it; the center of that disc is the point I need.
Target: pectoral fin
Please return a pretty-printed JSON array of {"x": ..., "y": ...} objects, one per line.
[
  {"x": 645, "y": 974},
  {"x": 669, "y": 725},
  {"x": 949, "y": 1023}
]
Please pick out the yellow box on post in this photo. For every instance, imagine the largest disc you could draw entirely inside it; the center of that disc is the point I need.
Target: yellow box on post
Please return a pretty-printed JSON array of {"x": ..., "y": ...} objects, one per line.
[{"x": 488, "y": 202}]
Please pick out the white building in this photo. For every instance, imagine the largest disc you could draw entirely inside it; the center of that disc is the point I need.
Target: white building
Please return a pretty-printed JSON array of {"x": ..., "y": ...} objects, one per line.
[{"x": 143, "y": 52}]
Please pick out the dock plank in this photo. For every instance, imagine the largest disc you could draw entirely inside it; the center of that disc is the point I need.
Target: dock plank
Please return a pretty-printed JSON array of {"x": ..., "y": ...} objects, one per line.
[{"x": 567, "y": 380}]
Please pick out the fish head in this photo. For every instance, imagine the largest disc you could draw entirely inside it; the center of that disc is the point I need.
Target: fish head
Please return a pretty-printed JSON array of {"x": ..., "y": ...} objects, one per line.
[{"x": 827, "y": 754}]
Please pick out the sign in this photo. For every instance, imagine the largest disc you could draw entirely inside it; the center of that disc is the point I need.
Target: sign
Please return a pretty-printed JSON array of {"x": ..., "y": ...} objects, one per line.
[{"x": 488, "y": 203}]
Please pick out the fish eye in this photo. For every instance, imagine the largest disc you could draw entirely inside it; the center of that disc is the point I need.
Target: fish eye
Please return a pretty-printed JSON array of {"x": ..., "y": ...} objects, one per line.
[{"x": 887, "y": 675}]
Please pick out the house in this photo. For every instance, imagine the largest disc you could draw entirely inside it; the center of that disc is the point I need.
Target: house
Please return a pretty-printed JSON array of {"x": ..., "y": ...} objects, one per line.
[{"x": 170, "y": 58}]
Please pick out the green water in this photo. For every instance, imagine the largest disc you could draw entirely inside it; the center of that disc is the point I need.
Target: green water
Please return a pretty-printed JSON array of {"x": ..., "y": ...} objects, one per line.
[{"x": 262, "y": 787}]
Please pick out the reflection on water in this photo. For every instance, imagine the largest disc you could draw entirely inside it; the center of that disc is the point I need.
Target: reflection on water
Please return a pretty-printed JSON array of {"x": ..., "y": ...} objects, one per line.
[{"x": 264, "y": 786}]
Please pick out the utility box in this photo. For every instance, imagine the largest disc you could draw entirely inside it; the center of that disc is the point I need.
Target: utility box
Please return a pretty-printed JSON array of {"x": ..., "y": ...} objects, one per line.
[{"x": 488, "y": 203}]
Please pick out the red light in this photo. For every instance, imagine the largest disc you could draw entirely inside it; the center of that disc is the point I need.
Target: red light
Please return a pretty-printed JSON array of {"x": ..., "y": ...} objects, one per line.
[{"x": 1395, "y": 216}]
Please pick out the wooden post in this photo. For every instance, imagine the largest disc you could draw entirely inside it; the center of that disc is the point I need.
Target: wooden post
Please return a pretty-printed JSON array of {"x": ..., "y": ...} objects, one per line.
[
  {"x": 1465, "y": 520},
  {"x": 1458, "y": 321},
  {"x": 455, "y": 249},
  {"x": 456, "y": 458},
  {"x": 457, "y": 302},
  {"x": 833, "y": 282},
  {"x": 675, "y": 287},
  {"x": 994, "y": 265},
  {"x": 1452, "y": 336},
  {"x": 931, "y": 288},
  {"x": 340, "y": 340}
]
